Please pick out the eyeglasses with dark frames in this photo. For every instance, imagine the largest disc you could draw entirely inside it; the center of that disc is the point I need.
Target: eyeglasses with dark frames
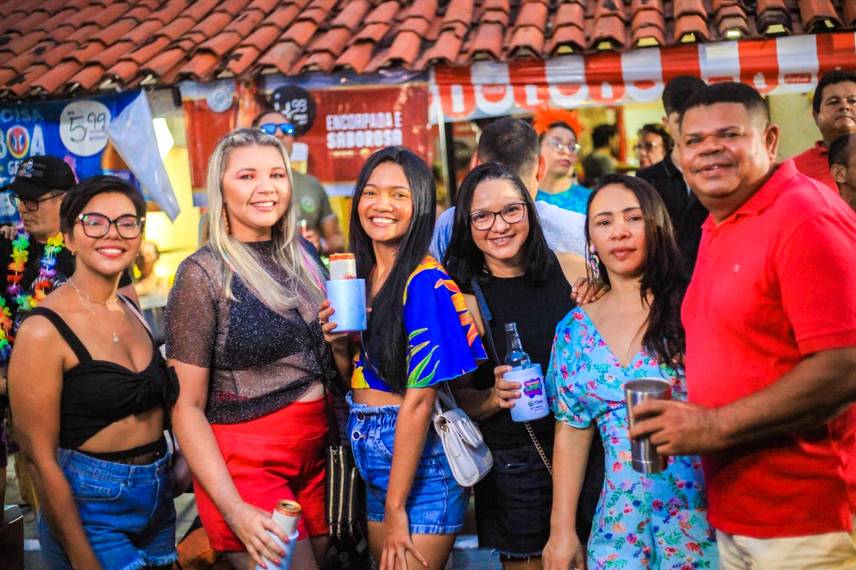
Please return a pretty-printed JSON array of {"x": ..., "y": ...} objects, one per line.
[
  {"x": 288, "y": 129},
  {"x": 511, "y": 214},
  {"x": 30, "y": 204},
  {"x": 97, "y": 225}
]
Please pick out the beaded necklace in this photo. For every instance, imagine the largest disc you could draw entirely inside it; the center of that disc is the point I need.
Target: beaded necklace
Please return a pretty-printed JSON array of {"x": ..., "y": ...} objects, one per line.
[{"x": 42, "y": 285}]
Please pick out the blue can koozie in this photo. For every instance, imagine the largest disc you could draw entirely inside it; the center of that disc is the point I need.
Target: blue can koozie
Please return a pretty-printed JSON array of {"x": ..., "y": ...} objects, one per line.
[
  {"x": 532, "y": 404},
  {"x": 348, "y": 299}
]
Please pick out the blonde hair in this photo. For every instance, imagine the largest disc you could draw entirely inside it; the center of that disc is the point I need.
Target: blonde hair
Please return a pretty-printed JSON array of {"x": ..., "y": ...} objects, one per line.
[{"x": 238, "y": 258}]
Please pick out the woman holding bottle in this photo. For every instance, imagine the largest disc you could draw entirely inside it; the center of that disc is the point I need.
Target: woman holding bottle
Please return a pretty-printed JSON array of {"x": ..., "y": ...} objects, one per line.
[
  {"x": 656, "y": 520},
  {"x": 242, "y": 334},
  {"x": 498, "y": 248},
  {"x": 420, "y": 335}
]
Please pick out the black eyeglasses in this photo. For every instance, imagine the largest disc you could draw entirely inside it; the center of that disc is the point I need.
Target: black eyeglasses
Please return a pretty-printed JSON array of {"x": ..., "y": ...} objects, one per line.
[
  {"x": 288, "y": 129},
  {"x": 29, "y": 203},
  {"x": 97, "y": 225},
  {"x": 511, "y": 214}
]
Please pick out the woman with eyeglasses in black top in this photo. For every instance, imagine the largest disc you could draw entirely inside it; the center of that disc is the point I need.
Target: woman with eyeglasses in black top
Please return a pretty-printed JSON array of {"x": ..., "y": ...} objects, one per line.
[{"x": 90, "y": 393}]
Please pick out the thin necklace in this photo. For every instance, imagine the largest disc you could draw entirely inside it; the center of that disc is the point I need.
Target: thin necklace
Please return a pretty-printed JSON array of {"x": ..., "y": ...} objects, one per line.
[{"x": 84, "y": 297}]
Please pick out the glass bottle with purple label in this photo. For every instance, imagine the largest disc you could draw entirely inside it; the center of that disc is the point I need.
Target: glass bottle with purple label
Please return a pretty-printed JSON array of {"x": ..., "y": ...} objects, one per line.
[{"x": 532, "y": 404}]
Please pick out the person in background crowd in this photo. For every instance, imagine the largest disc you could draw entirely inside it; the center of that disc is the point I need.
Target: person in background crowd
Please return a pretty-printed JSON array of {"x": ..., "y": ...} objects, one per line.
[
  {"x": 559, "y": 185},
  {"x": 420, "y": 334},
  {"x": 842, "y": 165},
  {"x": 149, "y": 283},
  {"x": 36, "y": 262},
  {"x": 497, "y": 241},
  {"x": 514, "y": 143},
  {"x": 685, "y": 210},
  {"x": 654, "y": 145},
  {"x": 601, "y": 160},
  {"x": 760, "y": 343},
  {"x": 242, "y": 334},
  {"x": 87, "y": 377},
  {"x": 656, "y": 520},
  {"x": 322, "y": 226},
  {"x": 834, "y": 110}
]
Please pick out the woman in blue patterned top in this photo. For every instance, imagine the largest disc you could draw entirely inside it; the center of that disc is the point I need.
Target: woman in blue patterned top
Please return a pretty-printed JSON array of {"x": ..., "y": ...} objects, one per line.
[
  {"x": 419, "y": 335},
  {"x": 657, "y": 520}
]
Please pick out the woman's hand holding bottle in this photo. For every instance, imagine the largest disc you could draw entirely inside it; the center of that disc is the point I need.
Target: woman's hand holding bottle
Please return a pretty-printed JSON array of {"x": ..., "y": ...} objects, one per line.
[{"x": 504, "y": 392}]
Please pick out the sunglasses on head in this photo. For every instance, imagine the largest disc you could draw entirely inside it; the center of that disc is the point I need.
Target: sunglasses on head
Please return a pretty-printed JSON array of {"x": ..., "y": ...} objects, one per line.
[{"x": 288, "y": 129}]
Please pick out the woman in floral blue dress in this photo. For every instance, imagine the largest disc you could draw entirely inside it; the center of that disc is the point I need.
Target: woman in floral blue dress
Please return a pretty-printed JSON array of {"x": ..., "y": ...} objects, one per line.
[{"x": 642, "y": 521}]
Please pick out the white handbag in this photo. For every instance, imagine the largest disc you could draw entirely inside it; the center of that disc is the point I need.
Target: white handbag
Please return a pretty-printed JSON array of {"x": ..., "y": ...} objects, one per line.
[{"x": 468, "y": 455}]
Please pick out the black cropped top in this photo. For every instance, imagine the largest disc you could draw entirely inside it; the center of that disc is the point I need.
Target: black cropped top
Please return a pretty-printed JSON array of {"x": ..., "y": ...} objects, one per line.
[{"x": 97, "y": 393}]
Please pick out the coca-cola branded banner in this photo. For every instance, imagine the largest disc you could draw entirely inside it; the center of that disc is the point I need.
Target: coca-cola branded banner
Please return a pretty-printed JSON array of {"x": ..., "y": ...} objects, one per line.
[
  {"x": 342, "y": 126},
  {"x": 92, "y": 135},
  {"x": 789, "y": 64}
]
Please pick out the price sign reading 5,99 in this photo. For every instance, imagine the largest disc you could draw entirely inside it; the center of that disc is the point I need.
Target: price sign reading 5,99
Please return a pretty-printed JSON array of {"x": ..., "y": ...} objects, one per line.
[{"x": 83, "y": 127}]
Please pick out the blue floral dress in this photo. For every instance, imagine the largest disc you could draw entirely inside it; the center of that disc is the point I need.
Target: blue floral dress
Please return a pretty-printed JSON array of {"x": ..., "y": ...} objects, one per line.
[{"x": 642, "y": 521}]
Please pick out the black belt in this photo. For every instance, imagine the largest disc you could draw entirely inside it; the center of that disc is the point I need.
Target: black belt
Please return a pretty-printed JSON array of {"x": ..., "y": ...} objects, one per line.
[{"x": 143, "y": 454}]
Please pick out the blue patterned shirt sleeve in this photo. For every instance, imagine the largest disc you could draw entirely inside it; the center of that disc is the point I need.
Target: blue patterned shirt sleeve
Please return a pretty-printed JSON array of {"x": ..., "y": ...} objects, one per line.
[
  {"x": 443, "y": 342},
  {"x": 563, "y": 391}
]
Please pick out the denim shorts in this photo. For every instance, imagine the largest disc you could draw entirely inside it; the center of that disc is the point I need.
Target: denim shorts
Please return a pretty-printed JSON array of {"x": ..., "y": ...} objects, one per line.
[
  {"x": 437, "y": 504},
  {"x": 127, "y": 512}
]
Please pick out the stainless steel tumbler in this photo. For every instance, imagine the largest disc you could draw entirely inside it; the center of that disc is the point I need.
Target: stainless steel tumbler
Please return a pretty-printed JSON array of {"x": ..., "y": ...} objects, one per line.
[{"x": 644, "y": 455}]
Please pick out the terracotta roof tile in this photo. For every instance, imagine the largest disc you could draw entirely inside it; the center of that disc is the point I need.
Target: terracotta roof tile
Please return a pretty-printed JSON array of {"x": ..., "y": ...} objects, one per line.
[
  {"x": 352, "y": 14},
  {"x": 459, "y": 11},
  {"x": 356, "y": 57},
  {"x": 774, "y": 17},
  {"x": 608, "y": 28},
  {"x": 317, "y": 11},
  {"x": 568, "y": 29},
  {"x": 487, "y": 42},
  {"x": 850, "y": 13},
  {"x": 691, "y": 28},
  {"x": 446, "y": 49},
  {"x": 819, "y": 15},
  {"x": 87, "y": 78},
  {"x": 52, "y": 47},
  {"x": 649, "y": 28},
  {"x": 281, "y": 56}
]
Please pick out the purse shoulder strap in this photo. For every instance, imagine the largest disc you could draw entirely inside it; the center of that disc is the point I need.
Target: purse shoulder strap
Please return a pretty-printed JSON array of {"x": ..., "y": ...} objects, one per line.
[{"x": 487, "y": 317}]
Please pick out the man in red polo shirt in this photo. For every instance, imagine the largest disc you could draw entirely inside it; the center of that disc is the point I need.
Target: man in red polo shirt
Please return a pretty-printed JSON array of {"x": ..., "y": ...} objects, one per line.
[
  {"x": 772, "y": 301},
  {"x": 834, "y": 111}
]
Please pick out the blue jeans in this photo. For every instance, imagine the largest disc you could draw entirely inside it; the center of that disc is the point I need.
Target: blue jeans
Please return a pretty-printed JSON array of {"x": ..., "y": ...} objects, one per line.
[
  {"x": 127, "y": 512},
  {"x": 436, "y": 504}
]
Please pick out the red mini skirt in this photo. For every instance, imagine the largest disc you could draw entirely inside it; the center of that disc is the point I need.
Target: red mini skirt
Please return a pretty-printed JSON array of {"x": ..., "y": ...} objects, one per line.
[{"x": 278, "y": 456}]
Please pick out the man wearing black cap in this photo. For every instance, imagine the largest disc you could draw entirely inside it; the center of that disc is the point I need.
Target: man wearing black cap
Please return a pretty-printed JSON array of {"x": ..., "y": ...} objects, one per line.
[{"x": 37, "y": 192}]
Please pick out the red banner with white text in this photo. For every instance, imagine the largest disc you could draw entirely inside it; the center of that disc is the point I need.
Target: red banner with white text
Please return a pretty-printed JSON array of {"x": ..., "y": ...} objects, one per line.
[
  {"x": 789, "y": 64},
  {"x": 348, "y": 125}
]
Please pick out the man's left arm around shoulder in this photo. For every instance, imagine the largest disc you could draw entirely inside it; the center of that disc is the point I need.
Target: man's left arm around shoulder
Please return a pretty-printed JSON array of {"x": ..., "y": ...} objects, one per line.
[{"x": 820, "y": 387}]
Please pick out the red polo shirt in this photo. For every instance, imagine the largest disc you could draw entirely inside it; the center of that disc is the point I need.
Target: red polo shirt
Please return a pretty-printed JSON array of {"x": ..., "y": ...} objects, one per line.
[
  {"x": 774, "y": 283},
  {"x": 814, "y": 163}
]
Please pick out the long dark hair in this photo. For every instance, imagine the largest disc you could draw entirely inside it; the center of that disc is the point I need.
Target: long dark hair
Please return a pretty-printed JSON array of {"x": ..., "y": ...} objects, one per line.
[
  {"x": 464, "y": 260},
  {"x": 664, "y": 273},
  {"x": 384, "y": 340}
]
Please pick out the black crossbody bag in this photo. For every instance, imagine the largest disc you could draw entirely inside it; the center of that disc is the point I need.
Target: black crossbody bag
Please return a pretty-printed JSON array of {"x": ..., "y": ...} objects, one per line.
[{"x": 343, "y": 490}]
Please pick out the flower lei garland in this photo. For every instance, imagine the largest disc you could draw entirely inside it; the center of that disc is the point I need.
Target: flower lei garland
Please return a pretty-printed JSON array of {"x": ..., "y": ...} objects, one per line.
[{"x": 41, "y": 286}]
